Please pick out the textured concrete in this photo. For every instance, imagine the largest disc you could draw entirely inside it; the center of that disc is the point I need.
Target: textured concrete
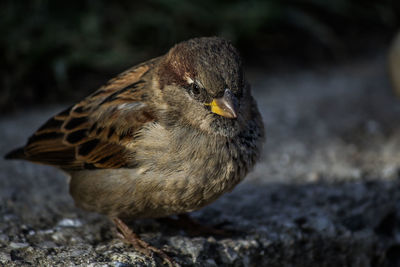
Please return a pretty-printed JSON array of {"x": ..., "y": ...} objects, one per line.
[{"x": 324, "y": 194}]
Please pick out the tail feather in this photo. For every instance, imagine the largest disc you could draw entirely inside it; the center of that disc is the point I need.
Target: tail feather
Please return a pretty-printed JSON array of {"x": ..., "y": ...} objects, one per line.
[{"x": 18, "y": 153}]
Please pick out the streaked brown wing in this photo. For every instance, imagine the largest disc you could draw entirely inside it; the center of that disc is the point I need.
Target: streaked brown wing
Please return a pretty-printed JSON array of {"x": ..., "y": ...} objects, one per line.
[{"x": 96, "y": 132}]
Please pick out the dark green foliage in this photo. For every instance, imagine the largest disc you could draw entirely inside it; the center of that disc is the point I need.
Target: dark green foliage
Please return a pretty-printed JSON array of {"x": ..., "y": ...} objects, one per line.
[{"x": 57, "y": 50}]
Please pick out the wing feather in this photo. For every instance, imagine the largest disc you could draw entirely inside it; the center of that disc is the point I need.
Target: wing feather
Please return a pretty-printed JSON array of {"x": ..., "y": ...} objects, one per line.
[{"x": 96, "y": 132}]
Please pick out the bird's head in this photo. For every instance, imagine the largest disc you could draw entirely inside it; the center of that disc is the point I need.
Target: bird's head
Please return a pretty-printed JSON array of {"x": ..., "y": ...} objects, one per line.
[{"x": 202, "y": 82}]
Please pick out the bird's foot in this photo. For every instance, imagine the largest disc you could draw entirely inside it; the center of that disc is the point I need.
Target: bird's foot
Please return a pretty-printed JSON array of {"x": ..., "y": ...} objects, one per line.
[{"x": 132, "y": 238}]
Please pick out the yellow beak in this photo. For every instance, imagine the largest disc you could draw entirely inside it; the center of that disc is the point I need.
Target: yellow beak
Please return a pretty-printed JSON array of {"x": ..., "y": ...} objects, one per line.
[{"x": 225, "y": 106}]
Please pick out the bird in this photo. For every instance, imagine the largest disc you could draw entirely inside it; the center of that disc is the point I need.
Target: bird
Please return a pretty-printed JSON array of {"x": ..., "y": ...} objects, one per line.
[{"x": 165, "y": 137}]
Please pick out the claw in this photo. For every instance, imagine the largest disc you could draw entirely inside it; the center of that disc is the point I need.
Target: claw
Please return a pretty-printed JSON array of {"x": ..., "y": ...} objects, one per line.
[{"x": 130, "y": 237}]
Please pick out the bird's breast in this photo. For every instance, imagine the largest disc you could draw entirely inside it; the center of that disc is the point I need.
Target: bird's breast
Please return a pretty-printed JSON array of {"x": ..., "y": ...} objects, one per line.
[
  {"x": 193, "y": 167},
  {"x": 178, "y": 171}
]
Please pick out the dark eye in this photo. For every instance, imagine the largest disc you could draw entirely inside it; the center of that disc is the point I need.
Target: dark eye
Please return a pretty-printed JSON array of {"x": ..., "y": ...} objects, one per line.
[{"x": 195, "y": 88}]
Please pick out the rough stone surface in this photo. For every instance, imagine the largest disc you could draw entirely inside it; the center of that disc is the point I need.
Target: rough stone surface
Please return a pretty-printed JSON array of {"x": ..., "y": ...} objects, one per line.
[{"x": 326, "y": 192}]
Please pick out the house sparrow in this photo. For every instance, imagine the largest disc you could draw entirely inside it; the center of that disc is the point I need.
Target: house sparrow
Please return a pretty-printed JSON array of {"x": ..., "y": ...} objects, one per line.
[{"x": 167, "y": 136}]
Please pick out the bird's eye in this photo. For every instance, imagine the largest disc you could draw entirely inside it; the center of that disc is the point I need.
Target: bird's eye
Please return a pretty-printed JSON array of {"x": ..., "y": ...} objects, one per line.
[{"x": 195, "y": 89}]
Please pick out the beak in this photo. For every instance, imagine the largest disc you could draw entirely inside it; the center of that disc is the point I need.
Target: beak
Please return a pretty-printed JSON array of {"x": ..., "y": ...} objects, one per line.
[{"x": 226, "y": 106}]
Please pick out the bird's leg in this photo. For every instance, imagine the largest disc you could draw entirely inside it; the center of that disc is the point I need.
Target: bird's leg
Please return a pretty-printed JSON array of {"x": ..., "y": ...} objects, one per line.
[
  {"x": 130, "y": 237},
  {"x": 194, "y": 228}
]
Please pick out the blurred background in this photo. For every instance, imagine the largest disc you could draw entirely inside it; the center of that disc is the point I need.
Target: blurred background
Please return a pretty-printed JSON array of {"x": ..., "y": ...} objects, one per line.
[{"x": 54, "y": 52}]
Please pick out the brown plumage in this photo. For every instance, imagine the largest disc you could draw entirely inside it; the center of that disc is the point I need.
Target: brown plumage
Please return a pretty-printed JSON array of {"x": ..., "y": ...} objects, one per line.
[
  {"x": 95, "y": 132},
  {"x": 165, "y": 137}
]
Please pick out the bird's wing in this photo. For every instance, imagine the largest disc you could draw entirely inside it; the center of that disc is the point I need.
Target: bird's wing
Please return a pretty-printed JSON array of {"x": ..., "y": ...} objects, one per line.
[{"x": 98, "y": 131}]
